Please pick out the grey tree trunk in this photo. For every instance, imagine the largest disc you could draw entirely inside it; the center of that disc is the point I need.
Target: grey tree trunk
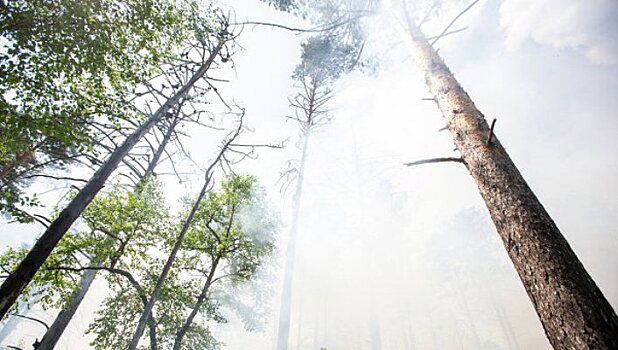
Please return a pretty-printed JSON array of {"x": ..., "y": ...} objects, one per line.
[
  {"x": 573, "y": 311},
  {"x": 374, "y": 328},
  {"x": 505, "y": 325},
  {"x": 299, "y": 336},
  {"x": 146, "y": 314},
  {"x": 159, "y": 152},
  {"x": 283, "y": 331},
  {"x": 25, "y": 271},
  {"x": 64, "y": 317}
]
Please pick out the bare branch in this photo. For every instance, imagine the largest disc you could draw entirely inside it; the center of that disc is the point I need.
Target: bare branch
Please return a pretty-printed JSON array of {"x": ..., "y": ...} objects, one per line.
[
  {"x": 435, "y": 160},
  {"x": 32, "y": 319},
  {"x": 491, "y": 131},
  {"x": 447, "y": 33},
  {"x": 453, "y": 22}
]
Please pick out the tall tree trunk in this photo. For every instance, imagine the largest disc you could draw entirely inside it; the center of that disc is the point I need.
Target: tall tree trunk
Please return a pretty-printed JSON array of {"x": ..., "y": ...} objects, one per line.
[
  {"x": 141, "y": 325},
  {"x": 374, "y": 328},
  {"x": 316, "y": 329},
  {"x": 146, "y": 314},
  {"x": 198, "y": 304},
  {"x": 25, "y": 271},
  {"x": 51, "y": 337},
  {"x": 407, "y": 330},
  {"x": 65, "y": 316},
  {"x": 283, "y": 331},
  {"x": 574, "y": 312}
]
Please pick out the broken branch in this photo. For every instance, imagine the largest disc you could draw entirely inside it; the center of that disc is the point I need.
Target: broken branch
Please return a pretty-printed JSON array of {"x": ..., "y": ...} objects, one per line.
[{"x": 435, "y": 160}]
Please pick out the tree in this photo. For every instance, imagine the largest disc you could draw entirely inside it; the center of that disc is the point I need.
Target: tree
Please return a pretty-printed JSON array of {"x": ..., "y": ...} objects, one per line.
[
  {"x": 574, "y": 312},
  {"x": 228, "y": 145},
  {"x": 66, "y": 65},
  {"x": 120, "y": 228},
  {"x": 232, "y": 234},
  {"x": 22, "y": 275},
  {"x": 158, "y": 147},
  {"x": 323, "y": 60}
]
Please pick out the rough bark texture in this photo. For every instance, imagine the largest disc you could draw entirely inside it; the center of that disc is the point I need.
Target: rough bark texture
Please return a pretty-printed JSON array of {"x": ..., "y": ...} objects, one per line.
[
  {"x": 21, "y": 277},
  {"x": 283, "y": 330},
  {"x": 572, "y": 309}
]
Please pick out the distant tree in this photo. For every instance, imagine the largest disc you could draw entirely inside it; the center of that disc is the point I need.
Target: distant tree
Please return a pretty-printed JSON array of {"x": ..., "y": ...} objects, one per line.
[{"x": 323, "y": 60}]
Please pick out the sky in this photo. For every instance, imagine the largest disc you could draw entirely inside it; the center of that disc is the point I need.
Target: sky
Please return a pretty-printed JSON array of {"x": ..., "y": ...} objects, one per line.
[{"x": 408, "y": 256}]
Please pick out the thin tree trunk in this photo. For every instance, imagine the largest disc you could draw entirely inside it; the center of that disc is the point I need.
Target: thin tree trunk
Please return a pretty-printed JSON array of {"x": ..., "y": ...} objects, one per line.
[
  {"x": 25, "y": 271},
  {"x": 283, "y": 331},
  {"x": 56, "y": 329},
  {"x": 52, "y": 336},
  {"x": 200, "y": 300},
  {"x": 141, "y": 325},
  {"x": 374, "y": 328},
  {"x": 159, "y": 152},
  {"x": 573, "y": 311},
  {"x": 315, "y": 329}
]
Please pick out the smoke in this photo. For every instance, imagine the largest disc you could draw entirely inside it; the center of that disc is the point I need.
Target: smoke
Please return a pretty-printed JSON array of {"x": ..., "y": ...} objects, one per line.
[{"x": 588, "y": 27}]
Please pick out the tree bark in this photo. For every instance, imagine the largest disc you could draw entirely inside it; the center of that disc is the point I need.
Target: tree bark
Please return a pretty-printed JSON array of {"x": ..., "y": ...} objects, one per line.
[
  {"x": 200, "y": 300},
  {"x": 573, "y": 311},
  {"x": 283, "y": 331},
  {"x": 23, "y": 274}
]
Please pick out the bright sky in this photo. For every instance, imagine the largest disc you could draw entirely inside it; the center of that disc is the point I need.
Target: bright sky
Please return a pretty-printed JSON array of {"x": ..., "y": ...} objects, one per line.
[{"x": 382, "y": 245}]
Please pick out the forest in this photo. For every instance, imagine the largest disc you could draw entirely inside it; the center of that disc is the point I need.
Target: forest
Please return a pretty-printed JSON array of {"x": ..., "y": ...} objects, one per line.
[{"x": 308, "y": 174}]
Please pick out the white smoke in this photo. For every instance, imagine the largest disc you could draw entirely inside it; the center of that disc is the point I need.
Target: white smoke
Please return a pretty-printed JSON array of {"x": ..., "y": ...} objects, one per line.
[{"x": 586, "y": 26}]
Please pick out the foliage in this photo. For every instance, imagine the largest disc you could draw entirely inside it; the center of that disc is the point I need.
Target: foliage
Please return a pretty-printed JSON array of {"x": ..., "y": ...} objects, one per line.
[
  {"x": 65, "y": 64},
  {"x": 232, "y": 226},
  {"x": 119, "y": 229},
  {"x": 325, "y": 59}
]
